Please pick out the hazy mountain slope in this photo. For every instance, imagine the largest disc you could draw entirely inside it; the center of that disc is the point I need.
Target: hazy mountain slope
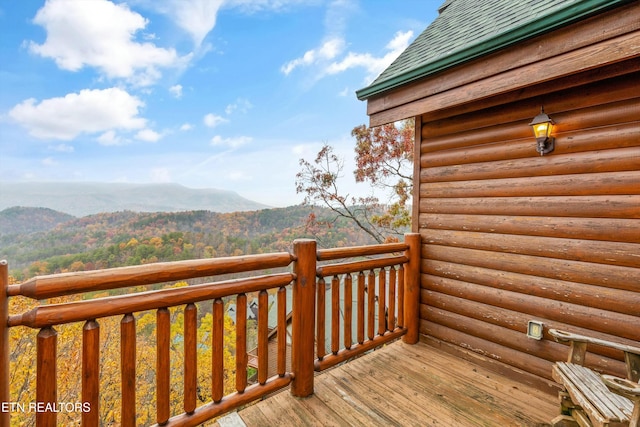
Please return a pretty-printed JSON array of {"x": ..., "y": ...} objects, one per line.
[
  {"x": 21, "y": 220},
  {"x": 81, "y": 199}
]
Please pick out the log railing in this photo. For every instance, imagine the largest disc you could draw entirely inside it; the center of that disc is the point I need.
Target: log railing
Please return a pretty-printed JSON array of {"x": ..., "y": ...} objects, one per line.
[
  {"x": 397, "y": 314},
  {"x": 372, "y": 309}
]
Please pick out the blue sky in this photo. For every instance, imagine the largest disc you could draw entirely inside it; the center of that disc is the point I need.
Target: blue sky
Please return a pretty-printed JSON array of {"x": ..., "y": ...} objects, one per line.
[{"x": 224, "y": 94}]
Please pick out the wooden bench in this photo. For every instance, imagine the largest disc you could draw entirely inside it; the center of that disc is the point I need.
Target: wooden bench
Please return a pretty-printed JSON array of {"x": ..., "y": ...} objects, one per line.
[{"x": 591, "y": 399}]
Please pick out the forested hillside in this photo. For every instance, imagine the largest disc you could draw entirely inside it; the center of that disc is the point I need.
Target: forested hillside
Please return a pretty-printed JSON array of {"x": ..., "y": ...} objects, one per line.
[
  {"x": 19, "y": 220},
  {"x": 129, "y": 238}
]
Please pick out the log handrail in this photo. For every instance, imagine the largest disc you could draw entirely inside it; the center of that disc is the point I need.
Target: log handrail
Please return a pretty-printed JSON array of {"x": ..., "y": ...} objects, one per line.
[
  {"x": 56, "y": 285},
  {"x": 56, "y": 314},
  {"x": 392, "y": 259},
  {"x": 360, "y": 251}
]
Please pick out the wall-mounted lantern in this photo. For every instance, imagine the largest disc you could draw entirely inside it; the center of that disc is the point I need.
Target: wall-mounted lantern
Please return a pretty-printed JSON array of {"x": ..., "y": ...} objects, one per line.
[{"x": 542, "y": 126}]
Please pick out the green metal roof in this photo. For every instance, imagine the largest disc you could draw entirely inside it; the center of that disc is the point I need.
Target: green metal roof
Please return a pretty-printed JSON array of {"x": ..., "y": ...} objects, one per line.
[{"x": 468, "y": 29}]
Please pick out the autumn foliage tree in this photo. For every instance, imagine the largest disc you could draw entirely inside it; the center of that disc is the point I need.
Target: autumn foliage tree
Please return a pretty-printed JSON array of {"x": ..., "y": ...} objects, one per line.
[
  {"x": 22, "y": 344},
  {"x": 384, "y": 158}
]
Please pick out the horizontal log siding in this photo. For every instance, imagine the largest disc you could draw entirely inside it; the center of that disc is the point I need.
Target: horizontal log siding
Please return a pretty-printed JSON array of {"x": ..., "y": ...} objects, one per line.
[{"x": 509, "y": 236}]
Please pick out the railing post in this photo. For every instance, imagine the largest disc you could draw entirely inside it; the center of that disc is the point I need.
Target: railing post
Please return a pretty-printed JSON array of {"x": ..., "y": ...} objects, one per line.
[
  {"x": 303, "y": 319},
  {"x": 4, "y": 341},
  {"x": 412, "y": 289}
]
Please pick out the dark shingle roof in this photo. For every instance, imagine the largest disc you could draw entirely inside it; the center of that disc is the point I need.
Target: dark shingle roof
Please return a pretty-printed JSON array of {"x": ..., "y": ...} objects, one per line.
[{"x": 467, "y": 29}]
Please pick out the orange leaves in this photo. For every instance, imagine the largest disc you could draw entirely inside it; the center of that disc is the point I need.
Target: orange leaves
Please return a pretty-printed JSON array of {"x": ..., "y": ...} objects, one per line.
[
  {"x": 384, "y": 152},
  {"x": 384, "y": 159}
]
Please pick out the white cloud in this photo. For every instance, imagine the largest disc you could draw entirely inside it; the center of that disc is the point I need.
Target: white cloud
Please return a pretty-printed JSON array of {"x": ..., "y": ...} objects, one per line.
[
  {"x": 233, "y": 142},
  {"x": 176, "y": 91},
  {"x": 329, "y": 57},
  {"x": 373, "y": 65},
  {"x": 344, "y": 92},
  {"x": 213, "y": 120},
  {"x": 196, "y": 17},
  {"x": 335, "y": 19},
  {"x": 186, "y": 126},
  {"x": 325, "y": 52},
  {"x": 148, "y": 135},
  {"x": 111, "y": 138},
  {"x": 400, "y": 42},
  {"x": 49, "y": 162},
  {"x": 241, "y": 105},
  {"x": 90, "y": 111},
  {"x": 63, "y": 148},
  {"x": 333, "y": 42},
  {"x": 255, "y": 6},
  {"x": 101, "y": 34}
]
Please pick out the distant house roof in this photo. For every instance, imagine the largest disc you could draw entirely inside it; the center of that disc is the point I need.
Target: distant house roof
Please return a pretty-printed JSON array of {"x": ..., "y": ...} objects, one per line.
[{"x": 468, "y": 29}]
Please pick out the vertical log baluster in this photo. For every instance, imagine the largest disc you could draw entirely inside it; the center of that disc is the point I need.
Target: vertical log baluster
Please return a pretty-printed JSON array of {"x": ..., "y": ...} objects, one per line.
[
  {"x": 217, "y": 347},
  {"x": 392, "y": 298},
  {"x": 282, "y": 331},
  {"x": 4, "y": 340},
  {"x": 163, "y": 368},
  {"x": 128, "y": 370},
  {"x": 91, "y": 372},
  {"x": 241, "y": 343},
  {"x": 361, "y": 307},
  {"x": 335, "y": 314},
  {"x": 263, "y": 337},
  {"x": 371, "y": 306},
  {"x": 348, "y": 300},
  {"x": 46, "y": 390},
  {"x": 401, "y": 296},
  {"x": 382, "y": 302},
  {"x": 190, "y": 357},
  {"x": 320, "y": 321}
]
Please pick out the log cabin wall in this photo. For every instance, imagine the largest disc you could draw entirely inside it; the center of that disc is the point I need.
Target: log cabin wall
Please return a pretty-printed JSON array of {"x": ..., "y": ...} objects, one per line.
[{"x": 509, "y": 236}]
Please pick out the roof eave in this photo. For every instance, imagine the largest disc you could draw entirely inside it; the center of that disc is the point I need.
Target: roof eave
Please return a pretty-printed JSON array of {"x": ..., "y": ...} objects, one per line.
[{"x": 563, "y": 17}]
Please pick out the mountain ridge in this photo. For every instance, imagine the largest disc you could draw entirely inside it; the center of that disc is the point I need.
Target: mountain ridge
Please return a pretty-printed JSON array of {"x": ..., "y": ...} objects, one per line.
[
  {"x": 117, "y": 239},
  {"x": 87, "y": 198}
]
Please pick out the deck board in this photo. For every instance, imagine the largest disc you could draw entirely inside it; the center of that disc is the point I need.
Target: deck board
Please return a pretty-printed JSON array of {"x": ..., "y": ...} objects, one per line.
[{"x": 406, "y": 385}]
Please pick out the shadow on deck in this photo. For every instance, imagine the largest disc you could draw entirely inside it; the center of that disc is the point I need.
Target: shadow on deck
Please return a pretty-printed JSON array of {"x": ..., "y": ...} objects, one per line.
[{"x": 408, "y": 385}]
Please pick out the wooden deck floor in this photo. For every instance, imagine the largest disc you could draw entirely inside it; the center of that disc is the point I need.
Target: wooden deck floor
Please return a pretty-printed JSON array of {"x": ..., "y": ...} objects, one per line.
[{"x": 407, "y": 385}]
